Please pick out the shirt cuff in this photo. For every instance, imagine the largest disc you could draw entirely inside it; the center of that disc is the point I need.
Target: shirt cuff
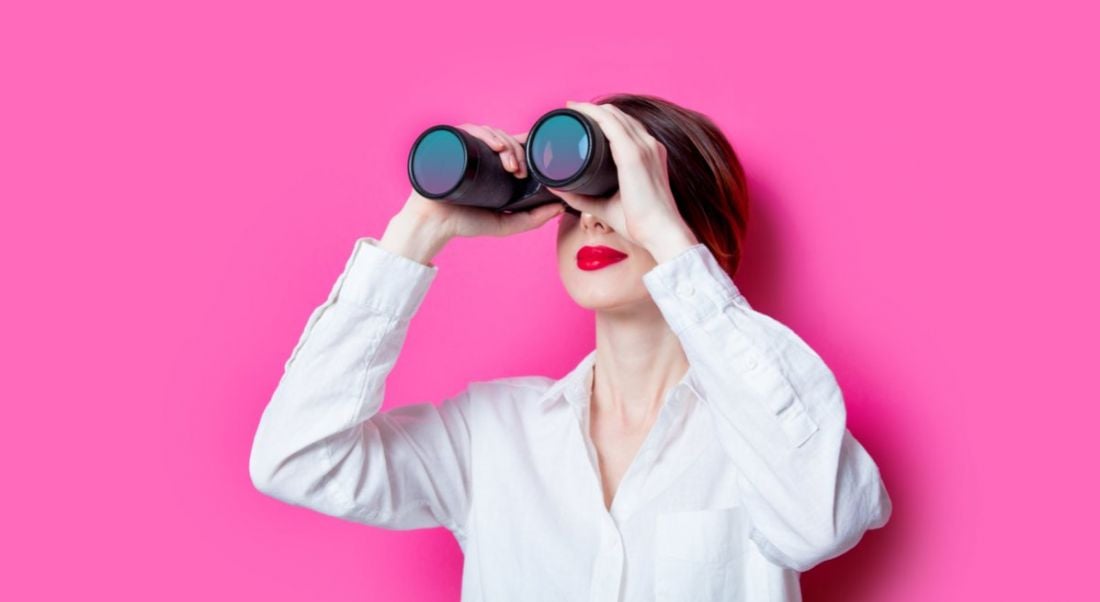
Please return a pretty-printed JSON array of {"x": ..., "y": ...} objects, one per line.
[
  {"x": 691, "y": 287},
  {"x": 384, "y": 281}
]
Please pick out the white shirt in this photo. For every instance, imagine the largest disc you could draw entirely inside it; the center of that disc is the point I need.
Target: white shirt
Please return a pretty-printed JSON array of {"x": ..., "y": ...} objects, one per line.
[{"x": 748, "y": 476}]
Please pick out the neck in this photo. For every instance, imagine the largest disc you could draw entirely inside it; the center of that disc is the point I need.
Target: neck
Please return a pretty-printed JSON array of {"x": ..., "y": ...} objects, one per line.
[{"x": 638, "y": 359}]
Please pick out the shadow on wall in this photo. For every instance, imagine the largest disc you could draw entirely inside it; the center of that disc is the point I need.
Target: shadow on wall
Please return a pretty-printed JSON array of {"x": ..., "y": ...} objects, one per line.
[
  {"x": 865, "y": 571},
  {"x": 861, "y": 572}
]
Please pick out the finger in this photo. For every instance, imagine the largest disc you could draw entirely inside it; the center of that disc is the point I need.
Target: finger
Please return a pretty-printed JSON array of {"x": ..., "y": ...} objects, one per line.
[
  {"x": 521, "y": 221},
  {"x": 517, "y": 152},
  {"x": 644, "y": 136},
  {"x": 506, "y": 152},
  {"x": 618, "y": 116},
  {"x": 512, "y": 155},
  {"x": 623, "y": 144},
  {"x": 522, "y": 138},
  {"x": 637, "y": 128},
  {"x": 521, "y": 155},
  {"x": 646, "y": 141}
]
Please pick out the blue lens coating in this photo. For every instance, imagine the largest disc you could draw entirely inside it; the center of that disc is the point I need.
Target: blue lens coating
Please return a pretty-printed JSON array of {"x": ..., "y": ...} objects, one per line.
[
  {"x": 439, "y": 161},
  {"x": 559, "y": 147}
]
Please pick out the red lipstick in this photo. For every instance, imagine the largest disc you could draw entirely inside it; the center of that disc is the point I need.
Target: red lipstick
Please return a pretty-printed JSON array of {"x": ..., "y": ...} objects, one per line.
[{"x": 599, "y": 256}]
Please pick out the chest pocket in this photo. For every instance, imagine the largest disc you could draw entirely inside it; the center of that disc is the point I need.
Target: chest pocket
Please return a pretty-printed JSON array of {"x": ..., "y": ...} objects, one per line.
[{"x": 699, "y": 555}]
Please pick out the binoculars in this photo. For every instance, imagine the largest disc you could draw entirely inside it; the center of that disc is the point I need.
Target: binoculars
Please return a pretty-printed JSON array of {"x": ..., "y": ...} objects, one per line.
[{"x": 565, "y": 149}]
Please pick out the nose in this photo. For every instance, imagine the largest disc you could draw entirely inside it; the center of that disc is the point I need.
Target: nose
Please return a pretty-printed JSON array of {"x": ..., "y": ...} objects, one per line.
[{"x": 591, "y": 222}]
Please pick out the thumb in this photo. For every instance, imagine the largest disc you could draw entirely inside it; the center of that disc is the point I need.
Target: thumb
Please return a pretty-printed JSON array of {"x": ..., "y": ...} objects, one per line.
[
  {"x": 580, "y": 202},
  {"x": 521, "y": 221}
]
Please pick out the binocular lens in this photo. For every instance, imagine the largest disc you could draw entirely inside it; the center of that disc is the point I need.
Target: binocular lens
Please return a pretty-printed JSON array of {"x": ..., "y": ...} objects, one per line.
[
  {"x": 439, "y": 161},
  {"x": 560, "y": 147},
  {"x": 565, "y": 149}
]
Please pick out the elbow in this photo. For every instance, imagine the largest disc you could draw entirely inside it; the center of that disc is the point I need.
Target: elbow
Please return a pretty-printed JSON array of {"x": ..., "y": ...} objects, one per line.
[
  {"x": 272, "y": 464},
  {"x": 828, "y": 539},
  {"x": 267, "y": 469},
  {"x": 812, "y": 551},
  {"x": 883, "y": 508},
  {"x": 272, "y": 481},
  {"x": 260, "y": 472},
  {"x": 292, "y": 477},
  {"x": 840, "y": 536}
]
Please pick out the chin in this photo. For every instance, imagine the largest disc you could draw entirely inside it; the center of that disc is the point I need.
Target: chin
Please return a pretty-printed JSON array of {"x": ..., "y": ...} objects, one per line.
[
  {"x": 599, "y": 303},
  {"x": 604, "y": 289}
]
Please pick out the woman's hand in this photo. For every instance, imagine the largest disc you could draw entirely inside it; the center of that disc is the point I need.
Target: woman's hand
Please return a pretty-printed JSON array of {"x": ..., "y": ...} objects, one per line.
[
  {"x": 643, "y": 210},
  {"x": 424, "y": 226}
]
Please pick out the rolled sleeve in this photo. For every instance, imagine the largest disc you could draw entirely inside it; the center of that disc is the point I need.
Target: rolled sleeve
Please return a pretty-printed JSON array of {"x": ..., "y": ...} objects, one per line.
[{"x": 384, "y": 281}]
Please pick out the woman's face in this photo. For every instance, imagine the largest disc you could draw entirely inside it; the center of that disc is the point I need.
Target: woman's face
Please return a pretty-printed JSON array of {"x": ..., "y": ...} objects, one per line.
[{"x": 590, "y": 278}]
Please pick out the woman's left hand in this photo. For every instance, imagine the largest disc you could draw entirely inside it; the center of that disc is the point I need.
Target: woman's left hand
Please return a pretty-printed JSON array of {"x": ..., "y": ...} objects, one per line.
[{"x": 643, "y": 210}]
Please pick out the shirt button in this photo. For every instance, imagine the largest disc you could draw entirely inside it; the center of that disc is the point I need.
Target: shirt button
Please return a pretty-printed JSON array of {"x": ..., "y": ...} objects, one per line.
[
  {"x": 751, "y": 362},
  {"x": 685, "y": 289}
]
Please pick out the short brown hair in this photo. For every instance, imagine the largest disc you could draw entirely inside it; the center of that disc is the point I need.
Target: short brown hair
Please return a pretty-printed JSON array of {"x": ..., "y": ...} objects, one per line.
[{"x": 704, "y": 172}]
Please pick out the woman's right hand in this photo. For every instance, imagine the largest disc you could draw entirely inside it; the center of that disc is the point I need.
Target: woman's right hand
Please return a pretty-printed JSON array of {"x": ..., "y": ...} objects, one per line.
[{"x": 424, "y": 226}]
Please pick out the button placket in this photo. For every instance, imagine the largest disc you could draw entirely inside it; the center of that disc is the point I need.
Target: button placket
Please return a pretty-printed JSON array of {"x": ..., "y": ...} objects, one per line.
[{"x": 608, "y": 572}]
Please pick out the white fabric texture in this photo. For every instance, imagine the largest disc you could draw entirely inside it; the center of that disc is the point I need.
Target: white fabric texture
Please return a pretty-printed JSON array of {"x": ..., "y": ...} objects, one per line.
[{"x": 748, "y": 477}]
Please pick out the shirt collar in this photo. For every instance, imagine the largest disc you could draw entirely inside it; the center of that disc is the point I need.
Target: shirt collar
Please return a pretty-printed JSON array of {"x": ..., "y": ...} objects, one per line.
[
  {"x": 572, "y": 387},
  {"x": 576, "y": 386}
]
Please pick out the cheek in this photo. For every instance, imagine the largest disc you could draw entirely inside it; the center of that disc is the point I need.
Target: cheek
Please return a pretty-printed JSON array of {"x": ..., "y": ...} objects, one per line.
[
  {"x": 566, "y": 232},
  {"x": 564, "y": 256},
  {"x": 567, "y": 223}
]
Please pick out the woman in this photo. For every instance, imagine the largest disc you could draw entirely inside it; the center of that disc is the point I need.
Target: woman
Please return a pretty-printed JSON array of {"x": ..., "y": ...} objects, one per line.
[{"x": 699, "y": 452}]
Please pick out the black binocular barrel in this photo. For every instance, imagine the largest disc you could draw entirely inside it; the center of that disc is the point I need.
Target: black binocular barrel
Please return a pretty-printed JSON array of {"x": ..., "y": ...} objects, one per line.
[{"x": 565, "y": 149}]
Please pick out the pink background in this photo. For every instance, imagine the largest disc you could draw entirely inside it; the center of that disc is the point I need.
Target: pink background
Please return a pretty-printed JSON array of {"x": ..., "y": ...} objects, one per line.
[{"x": 183, "y": 181}]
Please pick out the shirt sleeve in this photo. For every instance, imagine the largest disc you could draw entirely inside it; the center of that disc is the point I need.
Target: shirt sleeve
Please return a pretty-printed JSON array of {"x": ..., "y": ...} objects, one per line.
[
  {"x": 809, "y": 487},
  {"x": 322, "y": 442}
]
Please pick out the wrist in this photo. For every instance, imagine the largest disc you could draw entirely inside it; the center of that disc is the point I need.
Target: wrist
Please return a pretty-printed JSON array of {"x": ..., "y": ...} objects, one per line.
[
  {"x": 671, "y": 243},
  {"x": 414, "y": 236}
]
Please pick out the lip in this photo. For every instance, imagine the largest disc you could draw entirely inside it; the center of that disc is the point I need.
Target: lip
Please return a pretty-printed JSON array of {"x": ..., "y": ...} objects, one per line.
[{"x": 591, "y": 257}]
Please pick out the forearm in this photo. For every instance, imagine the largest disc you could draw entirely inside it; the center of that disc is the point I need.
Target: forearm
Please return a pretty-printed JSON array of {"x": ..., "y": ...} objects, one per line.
[
  {"x": 414, "y": 236},
  {"x": 672, "y": 240}
]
